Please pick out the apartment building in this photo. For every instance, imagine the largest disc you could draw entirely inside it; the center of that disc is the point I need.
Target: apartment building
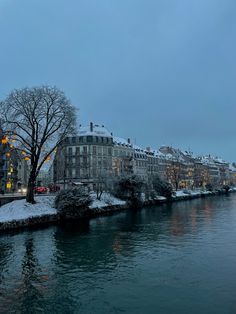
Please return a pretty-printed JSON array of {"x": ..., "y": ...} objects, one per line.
[
  {"x": 122, "y": 157},
  {"x": 84, "y": 158},
  {"x": 94, "y": 154}
]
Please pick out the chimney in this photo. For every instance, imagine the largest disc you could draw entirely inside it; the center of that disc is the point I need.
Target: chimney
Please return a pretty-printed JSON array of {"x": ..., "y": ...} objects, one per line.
[
  {"x": 91, "y": 126},
  {"x": 128, "y": 140},
  {"x": 111, "y": 134}
]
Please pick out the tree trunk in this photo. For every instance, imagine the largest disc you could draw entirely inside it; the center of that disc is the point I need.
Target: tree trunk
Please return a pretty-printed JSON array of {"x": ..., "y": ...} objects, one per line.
[{"x": 30, "y": 188}]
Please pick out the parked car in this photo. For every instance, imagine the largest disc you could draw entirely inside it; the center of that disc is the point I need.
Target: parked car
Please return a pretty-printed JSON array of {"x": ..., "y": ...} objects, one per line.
[{"x": 41, "y": 189}]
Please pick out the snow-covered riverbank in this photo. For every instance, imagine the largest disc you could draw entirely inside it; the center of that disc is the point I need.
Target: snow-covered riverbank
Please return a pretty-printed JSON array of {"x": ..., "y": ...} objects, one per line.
[
  {"x": 19, "y": 213},
  {"x": 20, "y": 209}
]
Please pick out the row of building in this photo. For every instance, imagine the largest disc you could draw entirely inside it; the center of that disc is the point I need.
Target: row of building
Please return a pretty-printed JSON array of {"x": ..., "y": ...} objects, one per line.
[{"x": 95, "y": 154}]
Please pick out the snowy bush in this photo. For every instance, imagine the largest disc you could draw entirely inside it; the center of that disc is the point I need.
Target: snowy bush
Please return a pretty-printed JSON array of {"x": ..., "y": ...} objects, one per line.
[
  {"x": 226, "y": 188},
  {"x": 209, "y": 187},
  {"x": 73, "y": 202},
  {"x": 161, "y": 187},
  {"x": 130, "y": 188}
]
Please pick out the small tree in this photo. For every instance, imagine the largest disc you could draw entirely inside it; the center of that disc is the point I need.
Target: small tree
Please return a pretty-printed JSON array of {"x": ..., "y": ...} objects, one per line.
[
  {"x": 102, "y": 183},
  {"x": 173, "y": 173},
  {"x": 130, "y": 188},
  {"x": 37, "y": 119},
  {"x": 161, "y": 187}
]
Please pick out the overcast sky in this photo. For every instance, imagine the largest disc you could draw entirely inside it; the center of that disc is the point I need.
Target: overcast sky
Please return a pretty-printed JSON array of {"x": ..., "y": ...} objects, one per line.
[{"x": 157, "y": 71}]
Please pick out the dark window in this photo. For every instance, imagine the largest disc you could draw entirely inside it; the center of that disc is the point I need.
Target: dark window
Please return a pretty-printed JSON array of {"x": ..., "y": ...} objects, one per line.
[
  {"x": 73, "y": 140},
  {"x": 89, "y": 139},
  {"x": 80, "y": 139},
  {"x": 70, "y": 173}
]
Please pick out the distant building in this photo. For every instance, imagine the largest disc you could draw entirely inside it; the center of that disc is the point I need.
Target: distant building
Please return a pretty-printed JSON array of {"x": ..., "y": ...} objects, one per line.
[
  {"x": 122, "y": 157},
  {"x": 8, "y": 165},
  {"x": 22, "y": 173},
  {"x": 232, "y": 174},
  {"x": 43, "y": 178}
]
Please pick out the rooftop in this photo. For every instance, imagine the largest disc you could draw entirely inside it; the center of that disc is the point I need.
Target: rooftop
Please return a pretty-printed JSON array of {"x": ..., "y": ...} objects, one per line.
[{"x": 94, "y": 130}]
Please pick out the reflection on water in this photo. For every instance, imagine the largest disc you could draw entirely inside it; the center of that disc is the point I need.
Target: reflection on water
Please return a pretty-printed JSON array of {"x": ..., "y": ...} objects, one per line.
[{"x": 174, "y": 258}]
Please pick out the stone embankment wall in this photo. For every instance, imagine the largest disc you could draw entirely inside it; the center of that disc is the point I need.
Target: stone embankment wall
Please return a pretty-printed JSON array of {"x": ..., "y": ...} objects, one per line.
[
  {"x": 29, "y": 222},
  {"x": 4, "y": 199}
]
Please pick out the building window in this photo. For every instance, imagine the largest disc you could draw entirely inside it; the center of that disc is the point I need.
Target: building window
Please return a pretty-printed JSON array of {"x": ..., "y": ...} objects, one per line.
[
  {"x": 89, "y": 139},
  {"x": 94, "y": 150}
]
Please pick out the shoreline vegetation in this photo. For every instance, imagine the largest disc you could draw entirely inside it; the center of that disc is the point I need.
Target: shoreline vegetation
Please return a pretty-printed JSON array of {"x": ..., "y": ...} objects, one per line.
[{"x": 20, "y": 214}]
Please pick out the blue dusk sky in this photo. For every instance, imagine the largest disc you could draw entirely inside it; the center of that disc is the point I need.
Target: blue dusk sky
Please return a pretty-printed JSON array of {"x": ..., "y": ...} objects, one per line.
[{"x": 157, "y": 71}]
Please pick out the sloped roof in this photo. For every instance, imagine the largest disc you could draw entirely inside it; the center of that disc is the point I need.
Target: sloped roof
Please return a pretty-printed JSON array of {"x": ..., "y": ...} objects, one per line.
[{"x": 97, "y": 131}]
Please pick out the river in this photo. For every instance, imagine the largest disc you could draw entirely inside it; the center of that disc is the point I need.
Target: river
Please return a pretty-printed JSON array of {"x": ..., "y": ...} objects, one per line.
[{"x": 174, "y": 258}]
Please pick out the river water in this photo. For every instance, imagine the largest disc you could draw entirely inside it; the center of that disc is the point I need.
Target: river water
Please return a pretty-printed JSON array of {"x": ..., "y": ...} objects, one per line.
[{"x": 175, "y": 258}]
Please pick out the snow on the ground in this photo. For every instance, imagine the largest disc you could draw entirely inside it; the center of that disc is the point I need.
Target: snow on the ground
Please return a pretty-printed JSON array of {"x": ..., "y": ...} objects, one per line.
[
  {"x": 20, "y": 209},
  {"x": 181, "y": 193},
  {"x": 161, "y": 198},
  {"x": 106, "y": 200}
]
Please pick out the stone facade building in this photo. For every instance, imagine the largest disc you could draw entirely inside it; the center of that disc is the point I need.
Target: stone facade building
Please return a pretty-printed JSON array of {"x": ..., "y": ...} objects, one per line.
[
  {"x": 122, "y": 157},
  {"x": 95, "y": 154},
  {"x": 84, "y": 158}
]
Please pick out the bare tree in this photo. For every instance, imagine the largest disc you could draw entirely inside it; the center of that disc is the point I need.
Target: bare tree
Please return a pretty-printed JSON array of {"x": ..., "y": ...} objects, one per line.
[
  {"x": 173, "y": 173},
  {"x": 37, "y": 119},
  {"x": 102, "y": 182}
]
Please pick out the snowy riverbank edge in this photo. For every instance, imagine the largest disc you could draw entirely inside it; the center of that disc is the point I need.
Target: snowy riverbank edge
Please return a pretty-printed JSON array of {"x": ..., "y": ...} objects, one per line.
[{"x": 19, "y": 214}]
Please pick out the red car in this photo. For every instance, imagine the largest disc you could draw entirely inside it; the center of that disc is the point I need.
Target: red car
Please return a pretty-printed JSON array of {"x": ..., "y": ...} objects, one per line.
[{"x": 41, "y": 190}]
